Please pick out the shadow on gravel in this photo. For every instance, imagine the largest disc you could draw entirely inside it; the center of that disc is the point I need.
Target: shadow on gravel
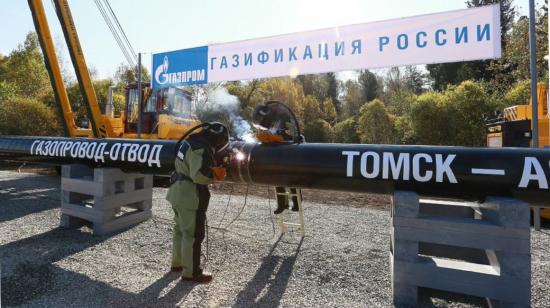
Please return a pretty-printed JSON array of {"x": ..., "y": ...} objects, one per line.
[
  {"x": 28, "y": 262},
  {"x": 153, "y": 296},
  {"x": 28, "y": 274},
  {"x": 27, "y": 195},
  {"x": 262, "y": 280}
]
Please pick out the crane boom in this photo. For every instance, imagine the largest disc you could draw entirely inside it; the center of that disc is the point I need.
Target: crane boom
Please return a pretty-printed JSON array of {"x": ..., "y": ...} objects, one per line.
[
  {"x": 99, "y": 127},
  {"x": 52, "y": 66}
]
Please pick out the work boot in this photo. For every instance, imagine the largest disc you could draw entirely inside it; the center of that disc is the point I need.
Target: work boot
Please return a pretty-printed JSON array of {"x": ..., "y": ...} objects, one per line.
[
  {"x": 176, "y": 269},
  {"x": 295, "y": 207},
  {"x": 199, "y": 278}
]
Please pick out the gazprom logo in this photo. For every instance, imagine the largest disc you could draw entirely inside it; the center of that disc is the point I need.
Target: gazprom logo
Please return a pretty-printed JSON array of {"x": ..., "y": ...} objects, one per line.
[
  {"x": 180, "y": 68},
  {"x": 161, "y": 72}
]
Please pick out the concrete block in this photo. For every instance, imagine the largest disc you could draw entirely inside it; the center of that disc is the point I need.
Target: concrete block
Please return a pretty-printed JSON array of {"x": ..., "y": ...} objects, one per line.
[
  {"x": 76, "y": 171},
  {"x": 510, "y": 263},
  {"x": 461, "y": 277},
  {"x": 506, "y": 212},
  {"x": 405, "y": 204},
  {"x": 493, "y": 259},
  {"x": 97, "y": 196},
  {"x": 121, "y": 223},
  {"x": 461, "y": 232},
  {"x": 404, "y": 294}
]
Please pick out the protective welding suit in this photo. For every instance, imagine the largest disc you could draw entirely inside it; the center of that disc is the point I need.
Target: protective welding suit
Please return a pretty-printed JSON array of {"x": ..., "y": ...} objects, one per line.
[
  {"x": 275, "y": 123},
  {"x": 195, "y": 168}
]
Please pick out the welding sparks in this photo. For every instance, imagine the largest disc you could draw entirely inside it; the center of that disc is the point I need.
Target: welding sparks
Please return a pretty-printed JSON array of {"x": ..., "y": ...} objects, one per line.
[{"x": 239, "y": 155}]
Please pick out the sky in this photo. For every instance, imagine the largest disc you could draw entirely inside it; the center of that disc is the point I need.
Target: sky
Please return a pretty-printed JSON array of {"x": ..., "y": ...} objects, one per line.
[{"x": 163, "y": 25}]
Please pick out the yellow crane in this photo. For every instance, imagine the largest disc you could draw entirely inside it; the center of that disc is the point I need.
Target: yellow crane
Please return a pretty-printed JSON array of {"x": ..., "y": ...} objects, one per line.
[{"x": 165, "y": 113}]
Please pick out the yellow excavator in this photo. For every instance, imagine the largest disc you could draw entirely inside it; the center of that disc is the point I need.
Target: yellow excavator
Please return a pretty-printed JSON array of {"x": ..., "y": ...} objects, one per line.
[{"x": 161, "y": 114}]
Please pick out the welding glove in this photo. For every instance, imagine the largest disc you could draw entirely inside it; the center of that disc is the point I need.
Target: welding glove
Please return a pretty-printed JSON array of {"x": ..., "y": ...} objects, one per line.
[{"x": 219, "y": 173}]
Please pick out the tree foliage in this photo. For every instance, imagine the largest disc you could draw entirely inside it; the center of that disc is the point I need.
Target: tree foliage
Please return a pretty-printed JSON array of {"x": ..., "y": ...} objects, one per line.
[
  {"x": 519, "y": 94},
  {"x": 126, "y": 75},
  {"x": 24, "y": 69},
  {"x": 346, "y": 132},
  {"x": 28, "y": 116},
  {"x": 353, "y": 98},
  {"x": 370, "y": 87},
  {"x": 318, "y": 131},
  {"x": 375, "y": 124},
  {"x": 455, "y": 73},
  {"x": 452, "y": 117}
]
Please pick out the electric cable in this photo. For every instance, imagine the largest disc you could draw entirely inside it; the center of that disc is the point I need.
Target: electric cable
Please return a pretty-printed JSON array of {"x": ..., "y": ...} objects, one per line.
[
  {"x": 113, "y": 32},
  {"x": 127, "y": 54},
  {"x": 132, "y": 52},
  {"x": 241, "y": 210},
  {"x": 225, "y": 229}
]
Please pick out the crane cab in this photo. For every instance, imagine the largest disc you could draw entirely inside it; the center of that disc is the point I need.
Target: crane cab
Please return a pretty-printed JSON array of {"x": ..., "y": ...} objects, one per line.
[{"x": 165, "y": 114}]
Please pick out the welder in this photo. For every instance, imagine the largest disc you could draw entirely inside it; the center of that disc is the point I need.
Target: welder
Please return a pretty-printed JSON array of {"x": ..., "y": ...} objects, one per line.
[
  {"x": 276, "y": 123},
  {"x": 196, "y": 166}
]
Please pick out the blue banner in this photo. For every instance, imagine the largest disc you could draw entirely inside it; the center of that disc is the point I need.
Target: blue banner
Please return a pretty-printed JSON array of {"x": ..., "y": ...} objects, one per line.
[{"x": 180, "y": 67}]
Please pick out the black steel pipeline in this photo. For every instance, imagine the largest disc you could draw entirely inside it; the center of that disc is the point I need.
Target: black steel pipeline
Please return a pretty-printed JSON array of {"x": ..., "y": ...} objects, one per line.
[
  {"x": 468, "y": 173},
  {"x": 130, "y": 155},
  {"x": 430, "y": 170}
]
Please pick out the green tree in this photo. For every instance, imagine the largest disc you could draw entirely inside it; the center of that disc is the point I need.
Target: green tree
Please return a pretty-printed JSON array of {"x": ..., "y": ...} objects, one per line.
[
  {"x": 312, "y": 110},
  {"x": 101, "y": 88},
  {"x": 316, "y": 85},
  {"x": 353, "y": 99},
  {"x": 24, "y": 68},
  {"x": 318, "y": 131},
  {"x": 7, "y": 90},
  {"x": 334, "y": 86},
  {"x": 429, "y": 120},
  {"x": 28, "y": 116},
  {"x": 322, "y": 86},
  {"x": 375, "y": 125},
  {"x": 519, "y": 94},
  {"x": 346, "y": 131},
  {"x": 403, "y": 130},
  {"x": 452, "y": 117},
  {"x": 369, "y": 85},
  {"x": 285, "y": 90},
  {"x": 507, "y": 14},
  {"x": 415, "y": 79},
  {"x": 469, "y": 102},
  {"x": 126, "y": 75},
  {"x": 398, "y": 94},
  {"x": 454, "y": 73},
  {"x": 514, "y": 64},
  {"x": 328, "y": 111}
]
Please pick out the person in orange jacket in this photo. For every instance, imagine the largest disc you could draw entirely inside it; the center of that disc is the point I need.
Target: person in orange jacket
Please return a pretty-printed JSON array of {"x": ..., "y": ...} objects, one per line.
[{"x": 275, "y": 123}]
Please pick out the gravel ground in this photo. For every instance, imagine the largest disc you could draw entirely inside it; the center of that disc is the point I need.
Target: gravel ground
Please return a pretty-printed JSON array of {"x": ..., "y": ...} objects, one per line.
[{"x": 342, "y": 261}]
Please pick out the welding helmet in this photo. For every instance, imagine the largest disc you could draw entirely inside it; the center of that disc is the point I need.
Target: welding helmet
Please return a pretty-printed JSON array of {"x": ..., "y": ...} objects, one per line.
[
  {"x": 217, "y": 135},
  {"x": 270, "y": 113},
  {"x": 274, "y": 115},
  {"x": 261, "y": 117}
]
